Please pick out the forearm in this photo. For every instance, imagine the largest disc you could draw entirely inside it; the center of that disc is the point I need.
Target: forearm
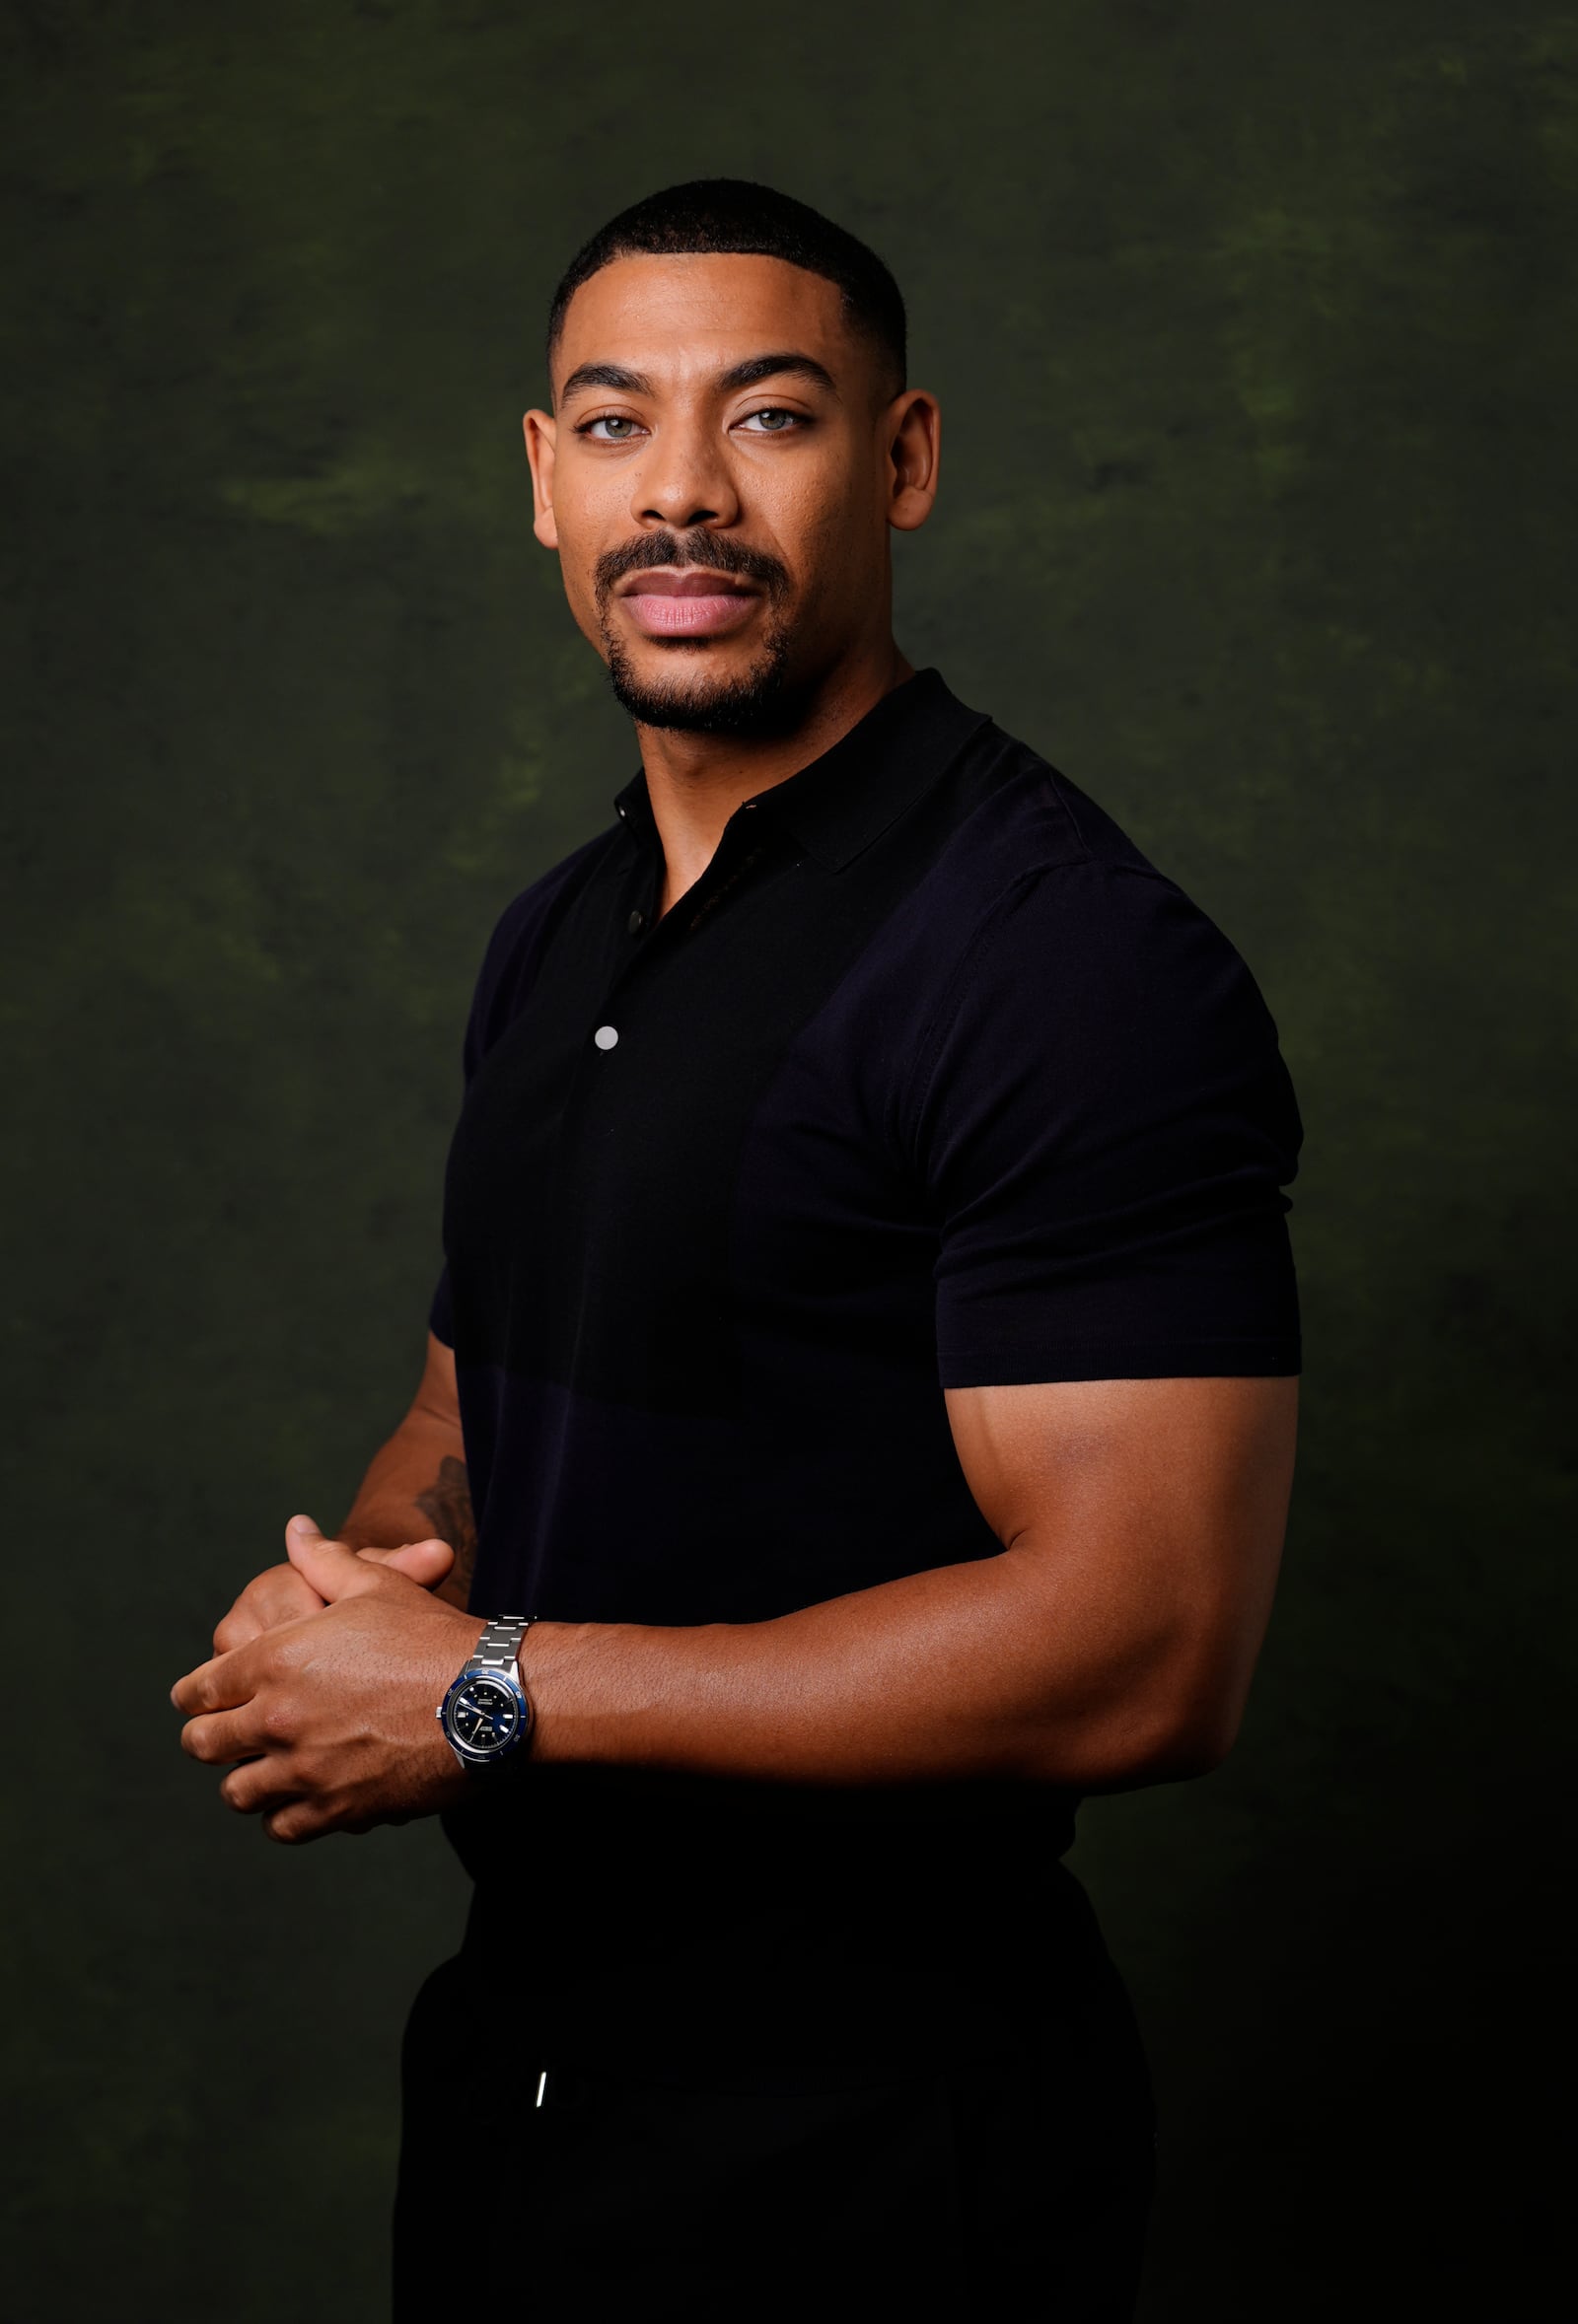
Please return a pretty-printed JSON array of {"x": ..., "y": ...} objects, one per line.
[
  {"x": 1003, "y": 1666},
  {"x": 416, "y": 1487}
]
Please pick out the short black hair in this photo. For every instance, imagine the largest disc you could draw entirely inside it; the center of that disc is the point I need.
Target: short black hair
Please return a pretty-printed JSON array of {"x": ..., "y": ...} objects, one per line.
[{"x": 734, "y": 215}]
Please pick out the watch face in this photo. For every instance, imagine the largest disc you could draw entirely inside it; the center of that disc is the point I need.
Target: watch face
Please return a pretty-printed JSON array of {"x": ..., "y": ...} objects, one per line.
[{"x": 484, "y": 1716}]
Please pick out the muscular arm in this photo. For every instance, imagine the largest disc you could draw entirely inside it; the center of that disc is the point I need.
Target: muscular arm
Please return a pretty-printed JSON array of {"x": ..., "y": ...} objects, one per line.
[
  {"x": 1110, "y": 1642},
  {"x": 415, "y": 1485}
]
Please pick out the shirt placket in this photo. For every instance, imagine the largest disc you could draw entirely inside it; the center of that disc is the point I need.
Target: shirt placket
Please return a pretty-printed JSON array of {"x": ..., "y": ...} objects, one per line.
[{"x": 650, "y": 941}]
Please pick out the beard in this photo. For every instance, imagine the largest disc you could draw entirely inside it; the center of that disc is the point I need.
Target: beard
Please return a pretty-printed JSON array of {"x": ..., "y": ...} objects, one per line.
[
  {"x": 763, "y": 700},
  {"x": 758, "y": 700}
]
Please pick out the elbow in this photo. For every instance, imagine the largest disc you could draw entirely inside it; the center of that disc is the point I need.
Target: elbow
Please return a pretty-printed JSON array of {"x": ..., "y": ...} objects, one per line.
[
  {"x": 1162, "y": 1750},
  {"x": 1196, "y": 1720},
  {"x": 1163, "y": 1733},
  {"x": 1193, "y": 1745}
]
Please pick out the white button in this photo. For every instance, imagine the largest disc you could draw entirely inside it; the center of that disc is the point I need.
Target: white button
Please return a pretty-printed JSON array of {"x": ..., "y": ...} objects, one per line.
[{"x": 606, "y": 1036}]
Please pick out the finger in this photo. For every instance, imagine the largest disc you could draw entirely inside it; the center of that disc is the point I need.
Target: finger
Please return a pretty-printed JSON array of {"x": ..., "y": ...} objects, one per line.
[
  {"x": 260, "y": 1785},
  {"x": 422, "y": 1562},
  {"x": 220, "y": 1684},
  {"x": 332, "y": 1569},
  {"x": 279, "y": 1596},
  {"x": 295, "y": 1822},
  {"x": 226, "y": 1735},
  {"x": 238, "y": 1629}
]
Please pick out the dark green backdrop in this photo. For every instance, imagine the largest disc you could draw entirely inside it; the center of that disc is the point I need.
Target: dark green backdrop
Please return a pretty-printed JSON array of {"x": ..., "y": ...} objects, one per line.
[{"x": 1255, "y": 333}]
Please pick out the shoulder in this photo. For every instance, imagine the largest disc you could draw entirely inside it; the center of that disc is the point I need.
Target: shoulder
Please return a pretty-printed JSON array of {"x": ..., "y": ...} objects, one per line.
[
  {"x": 1042, "y": 897},
  {"x": 1018, "y": 812},
  {"x": 1033, "y": 859},
  {"x": 1055, "y": 947}
]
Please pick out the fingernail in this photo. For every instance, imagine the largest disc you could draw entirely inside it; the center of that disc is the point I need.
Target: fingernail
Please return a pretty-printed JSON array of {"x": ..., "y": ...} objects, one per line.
[{"x": 302, "y": 1525}]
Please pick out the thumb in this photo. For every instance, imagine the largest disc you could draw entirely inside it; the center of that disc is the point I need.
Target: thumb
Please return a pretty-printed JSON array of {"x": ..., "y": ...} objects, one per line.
[
  {"x": 426, "y": 1561},
  {"x": 332, "y": 1569}
]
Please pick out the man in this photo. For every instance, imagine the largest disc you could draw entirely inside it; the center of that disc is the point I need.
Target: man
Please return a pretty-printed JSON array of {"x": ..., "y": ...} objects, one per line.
[{"x": 868, "y": 1346}]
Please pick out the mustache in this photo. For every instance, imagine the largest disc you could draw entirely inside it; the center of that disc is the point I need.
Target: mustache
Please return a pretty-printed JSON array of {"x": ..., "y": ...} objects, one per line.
[{"x": 689, "y": 548}]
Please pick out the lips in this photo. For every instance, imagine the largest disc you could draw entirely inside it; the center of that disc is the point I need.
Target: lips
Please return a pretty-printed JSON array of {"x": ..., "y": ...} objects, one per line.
[{"x": 688, "y": 601}]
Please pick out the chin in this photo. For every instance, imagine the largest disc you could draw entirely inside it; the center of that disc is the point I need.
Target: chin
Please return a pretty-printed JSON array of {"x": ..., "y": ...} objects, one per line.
[{"x": 685, "y": 688}]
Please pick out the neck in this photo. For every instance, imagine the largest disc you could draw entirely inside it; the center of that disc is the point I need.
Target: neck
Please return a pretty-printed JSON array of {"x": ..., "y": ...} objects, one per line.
[{"x": 696, "y": 780}]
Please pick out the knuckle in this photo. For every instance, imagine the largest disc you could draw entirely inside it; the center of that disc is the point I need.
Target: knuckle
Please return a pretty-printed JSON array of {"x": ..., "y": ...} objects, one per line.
[{"x": 278, "y": 1719}]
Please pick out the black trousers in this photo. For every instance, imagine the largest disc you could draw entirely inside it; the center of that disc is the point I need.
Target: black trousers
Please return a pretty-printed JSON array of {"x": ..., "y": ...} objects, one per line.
[{"x": 1015, "y": 2186}]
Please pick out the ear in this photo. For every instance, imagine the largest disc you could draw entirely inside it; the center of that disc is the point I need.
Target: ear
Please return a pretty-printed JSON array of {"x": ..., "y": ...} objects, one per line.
[
  {"x": 541, "y": 430},
  {"x": 914, "y": 422}
]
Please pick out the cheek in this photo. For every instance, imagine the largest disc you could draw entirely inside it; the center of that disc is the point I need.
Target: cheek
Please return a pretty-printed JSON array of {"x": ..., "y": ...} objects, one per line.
[
  {"x": 833, "y": 551},
  {"x": 579, "y": 549},
  {"x": 593, "y": 516}
]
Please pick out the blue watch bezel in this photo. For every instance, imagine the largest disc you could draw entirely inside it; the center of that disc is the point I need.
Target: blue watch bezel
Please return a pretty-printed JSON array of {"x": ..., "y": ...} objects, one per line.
[{"x": 466, "y": 1753}]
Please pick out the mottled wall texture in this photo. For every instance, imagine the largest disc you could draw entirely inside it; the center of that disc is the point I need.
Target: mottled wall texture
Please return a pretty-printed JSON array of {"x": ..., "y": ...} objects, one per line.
[{"x": 1254, "y": 331}]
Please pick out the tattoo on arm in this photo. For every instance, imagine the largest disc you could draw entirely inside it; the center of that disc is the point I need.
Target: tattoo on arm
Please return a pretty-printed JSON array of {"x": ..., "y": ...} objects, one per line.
[{"x": 447, "y": 1506}]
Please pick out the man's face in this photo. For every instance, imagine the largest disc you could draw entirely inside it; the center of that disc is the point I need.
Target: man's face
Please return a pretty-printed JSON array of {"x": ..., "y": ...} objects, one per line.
[{"x": 718, "y": 479}]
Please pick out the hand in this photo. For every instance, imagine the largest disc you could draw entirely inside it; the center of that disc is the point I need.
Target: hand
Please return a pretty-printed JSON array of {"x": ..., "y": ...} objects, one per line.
[
  {"x": 283, "y": 1593},
  {"x": 331, "y": 1714}
]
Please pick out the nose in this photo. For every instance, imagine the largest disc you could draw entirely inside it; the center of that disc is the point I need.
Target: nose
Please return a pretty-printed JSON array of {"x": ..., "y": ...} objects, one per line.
[{"x": 685, "y": 479}]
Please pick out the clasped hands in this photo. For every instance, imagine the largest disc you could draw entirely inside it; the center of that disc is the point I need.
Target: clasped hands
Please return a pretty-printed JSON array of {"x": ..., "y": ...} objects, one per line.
[{"x": 321, "y": 1690}]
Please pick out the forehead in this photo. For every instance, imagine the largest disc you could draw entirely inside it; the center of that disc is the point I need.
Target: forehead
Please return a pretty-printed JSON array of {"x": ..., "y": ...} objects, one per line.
[{"x": 694, "y": 312}]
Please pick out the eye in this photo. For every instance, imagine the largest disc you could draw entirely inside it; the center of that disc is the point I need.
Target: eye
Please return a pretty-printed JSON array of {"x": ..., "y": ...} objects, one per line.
[
  {"x": 775, "y": 420},
  {"x": 621, "y": 427}
]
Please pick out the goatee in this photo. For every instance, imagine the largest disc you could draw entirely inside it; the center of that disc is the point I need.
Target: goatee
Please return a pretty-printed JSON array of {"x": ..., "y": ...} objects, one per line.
[{"x": 760, "y": 700}]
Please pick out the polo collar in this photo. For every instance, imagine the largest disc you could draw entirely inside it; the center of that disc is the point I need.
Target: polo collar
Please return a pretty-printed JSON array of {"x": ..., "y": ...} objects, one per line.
[{"x": 841, "y": 801}]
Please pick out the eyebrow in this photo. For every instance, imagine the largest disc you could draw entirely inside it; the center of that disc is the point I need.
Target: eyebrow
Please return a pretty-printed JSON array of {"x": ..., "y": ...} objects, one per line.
[
  {"x": 782, "y": 363},
  {"x": 771, "y": 367}
]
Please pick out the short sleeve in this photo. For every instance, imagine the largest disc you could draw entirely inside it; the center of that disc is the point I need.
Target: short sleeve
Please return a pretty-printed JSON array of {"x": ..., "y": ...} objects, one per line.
[
  {"x": 441, "y": 1314},
  {"x": 483, "y": 1022},
  {"x": 1105, "y": 1126}
]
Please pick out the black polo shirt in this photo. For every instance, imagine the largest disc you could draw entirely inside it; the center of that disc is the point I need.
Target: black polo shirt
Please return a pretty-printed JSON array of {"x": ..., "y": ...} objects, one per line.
[{"x": 930, "y": 1080}]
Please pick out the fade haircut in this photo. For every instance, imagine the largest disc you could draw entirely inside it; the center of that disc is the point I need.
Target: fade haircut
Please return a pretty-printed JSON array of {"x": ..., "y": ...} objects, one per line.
[{"x": 735, "y": 216}]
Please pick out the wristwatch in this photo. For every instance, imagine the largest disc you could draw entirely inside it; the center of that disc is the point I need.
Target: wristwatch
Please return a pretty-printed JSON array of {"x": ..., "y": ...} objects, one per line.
[{"x": 487, "y": 1712}]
